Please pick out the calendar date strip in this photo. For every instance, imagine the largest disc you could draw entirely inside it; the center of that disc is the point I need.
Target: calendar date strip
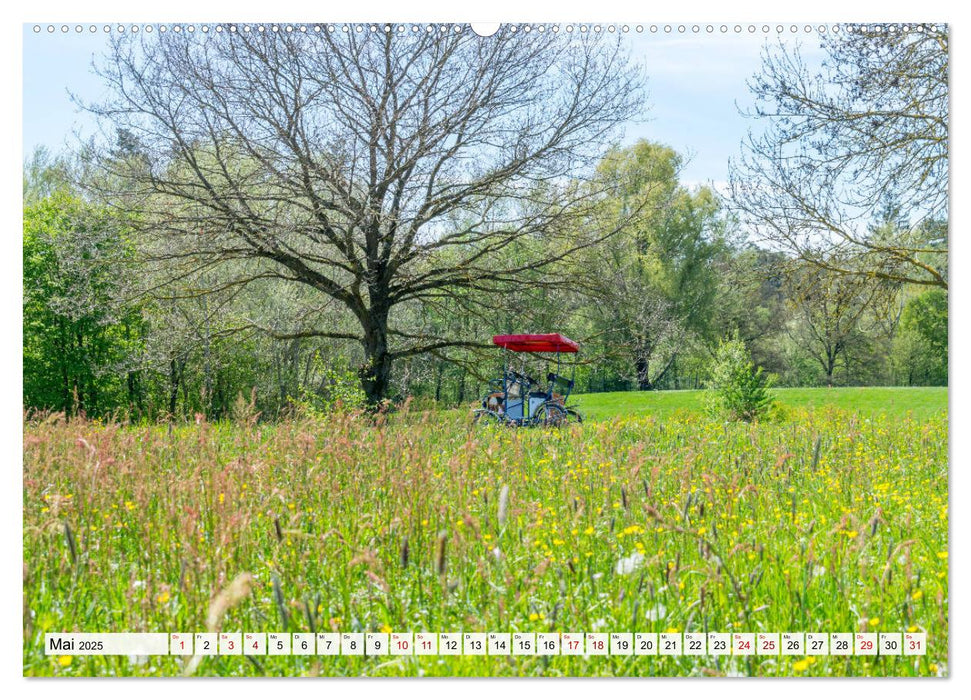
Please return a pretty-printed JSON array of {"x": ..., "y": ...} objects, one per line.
[{"x": 489, "y": 644}]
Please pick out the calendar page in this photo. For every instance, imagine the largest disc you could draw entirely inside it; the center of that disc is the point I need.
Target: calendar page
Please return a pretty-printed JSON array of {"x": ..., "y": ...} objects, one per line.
[{"x": 522, "y": 349}]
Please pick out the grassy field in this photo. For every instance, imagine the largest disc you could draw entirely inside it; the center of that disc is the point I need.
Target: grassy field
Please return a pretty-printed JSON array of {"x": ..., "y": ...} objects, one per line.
[
  {"x": 921, "y": 402},
  {"x": 826, "y": 520}
]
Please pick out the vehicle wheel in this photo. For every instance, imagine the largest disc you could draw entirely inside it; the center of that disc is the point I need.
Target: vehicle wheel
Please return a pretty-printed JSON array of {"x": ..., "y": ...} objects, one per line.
[
  {"x": 552, "y": 415},
  {"x": 575, "y": 415},
  {"x": 484, "y": 416}
]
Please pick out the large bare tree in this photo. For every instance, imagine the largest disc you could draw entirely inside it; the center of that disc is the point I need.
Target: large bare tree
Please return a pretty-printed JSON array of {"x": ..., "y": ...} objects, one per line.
[
  {"x": 377, "y": 168},
  {"x": 835, "y": 144}
]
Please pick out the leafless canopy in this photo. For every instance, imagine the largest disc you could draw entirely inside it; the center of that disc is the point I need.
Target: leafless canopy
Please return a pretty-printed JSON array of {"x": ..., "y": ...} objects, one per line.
[
  {"x": 376, "y": 168},
  {"x": 867, "y": 131}
]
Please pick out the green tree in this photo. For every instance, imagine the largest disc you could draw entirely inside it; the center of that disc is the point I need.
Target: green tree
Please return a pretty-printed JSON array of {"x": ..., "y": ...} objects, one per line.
[
  {"x": 738, "y": 389},
  {"x": 920, "y": 350},
  {"x": 76, "y": 339},
  {"x": 651, "y": 286}
]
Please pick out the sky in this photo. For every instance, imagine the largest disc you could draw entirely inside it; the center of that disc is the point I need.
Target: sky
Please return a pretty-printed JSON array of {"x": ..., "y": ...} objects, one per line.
[{"x": 696, "y": 84}]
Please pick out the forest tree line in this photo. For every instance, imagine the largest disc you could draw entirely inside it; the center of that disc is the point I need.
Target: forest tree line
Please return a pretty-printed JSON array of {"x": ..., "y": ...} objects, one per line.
[
  {"x": 289, "y": 252},
  {"x": 649, "y": 307}
]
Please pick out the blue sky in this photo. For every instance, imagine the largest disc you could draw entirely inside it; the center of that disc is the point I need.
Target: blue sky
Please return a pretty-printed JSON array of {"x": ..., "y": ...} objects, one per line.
[{"x": 695, "y": 82}]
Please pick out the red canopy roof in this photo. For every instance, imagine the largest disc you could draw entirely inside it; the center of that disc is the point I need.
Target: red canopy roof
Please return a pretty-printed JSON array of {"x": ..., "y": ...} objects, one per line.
[{"x": 536, "y": 342}]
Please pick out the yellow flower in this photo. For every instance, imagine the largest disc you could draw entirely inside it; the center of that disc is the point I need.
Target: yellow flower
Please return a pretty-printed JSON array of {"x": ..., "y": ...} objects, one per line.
[
  {"x": 800, "y": 666},
  {"x": 222, "y": 498},
  {"x": 851, "y": 534},
  {"x": 164, "y": 597},
  {"x": 129, "y": 505},
  {"x": 942, "y": 555},
  {"x": 917, "y": 595},
  {"x": 671, "y": 630},
  {"x": 932, "y": 667},
  {"x": 702, "y": 530},
  {"x": 874, "y": 621},
  {"x": 386, "y": 628},
  {"x": 533, "y": 617},
  {"x": 588, "y": 531},
  {"x": 64, "y": 660},
  {"x": 913, "y": 628}
]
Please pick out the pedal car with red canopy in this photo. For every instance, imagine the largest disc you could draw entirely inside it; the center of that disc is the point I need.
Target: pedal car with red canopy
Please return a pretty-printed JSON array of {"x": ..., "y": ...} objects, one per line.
[{"x": 520, "y": 400}]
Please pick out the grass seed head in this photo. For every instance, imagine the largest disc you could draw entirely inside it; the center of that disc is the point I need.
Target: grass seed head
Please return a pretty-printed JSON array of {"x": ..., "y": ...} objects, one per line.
[
  {"x": 229, "y": 597},
  {"x": 503, "y": 506},
  {"x": 440, "y": 560}
]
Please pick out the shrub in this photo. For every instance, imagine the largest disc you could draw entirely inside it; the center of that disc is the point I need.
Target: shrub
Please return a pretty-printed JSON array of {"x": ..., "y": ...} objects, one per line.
[
  {"x": 339, "y": 391},
  {"x": 738, "y": 389}
]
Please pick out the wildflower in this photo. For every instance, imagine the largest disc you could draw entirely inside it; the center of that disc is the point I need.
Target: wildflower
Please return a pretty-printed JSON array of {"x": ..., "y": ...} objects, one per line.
[
  {"x": 657, "y": 612},
  {"x": 874, "y": 621},
  {"x": 66, "y": 660},
  {"x": 164, "y": 597},
  {"x": 222, "y": 498},
  {"x": 588, "y": 531},
  {"x": 851, "y": 534},
  {"x": 917, "y": 595},
  {"x": 386, "y": 628},
  {"x": 628, "y": 564},
  {"x": 800, "y": 666}
]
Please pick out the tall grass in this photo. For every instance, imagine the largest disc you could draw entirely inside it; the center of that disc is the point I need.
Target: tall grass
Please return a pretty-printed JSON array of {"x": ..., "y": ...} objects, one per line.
[{"x": 830, "y": 521}]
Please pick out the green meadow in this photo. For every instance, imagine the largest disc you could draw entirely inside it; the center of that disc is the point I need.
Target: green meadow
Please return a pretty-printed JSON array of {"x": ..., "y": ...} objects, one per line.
[
  {"x": 833, "y": 517},
  {"x": 921, "y": 402}
]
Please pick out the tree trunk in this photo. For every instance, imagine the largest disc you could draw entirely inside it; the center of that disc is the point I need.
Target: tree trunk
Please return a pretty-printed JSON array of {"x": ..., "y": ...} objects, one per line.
[
  {"x": 176, "y": 369},
  {"x": 375, "y": 373},
  {"x": 643, "y": 374},
  {"x": 830, "y": 368}
]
